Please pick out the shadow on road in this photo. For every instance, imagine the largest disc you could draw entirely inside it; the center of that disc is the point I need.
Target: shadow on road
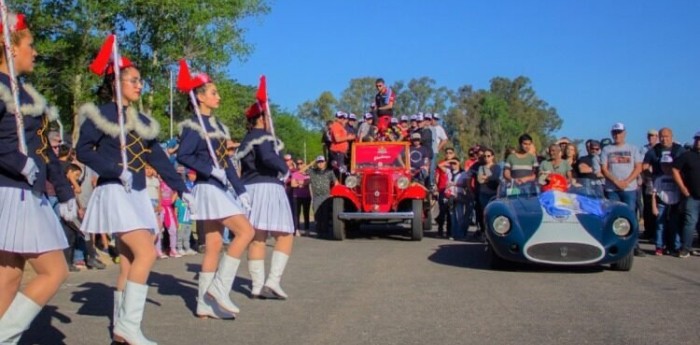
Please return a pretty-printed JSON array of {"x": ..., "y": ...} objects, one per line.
[
  {"x": 462, "y": 254},
  {"x": 42, "y": 332}
]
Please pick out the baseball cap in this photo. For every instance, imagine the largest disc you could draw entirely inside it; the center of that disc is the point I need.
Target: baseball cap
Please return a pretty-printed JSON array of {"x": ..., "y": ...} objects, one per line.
[
  {"x": 605, "y": 142},
  {"x": 428, "y": 116},
  {"x": 436, "y": 116},
  {"x": 666, "y": 159},
  {"x": 288, "y": 157},
  {"x": 420, "y": 117},
  {"x": 394, "y": 120},
  {"x": 594, "y": 143},
  {"x": 404, "y": 118},
  {"x": 352, "y": 116},
  {"x": 563, "y": 140},
  {"x": 368, "y": 115},
  {"x": 414, "y": 117},
  {"x": 652, "y": 132},
  {"x": 320, "y": 159},
  {"x": 415, "y": 136},
  {"x": 619, "y": 126},
  {"x": 341, "y": 115}
]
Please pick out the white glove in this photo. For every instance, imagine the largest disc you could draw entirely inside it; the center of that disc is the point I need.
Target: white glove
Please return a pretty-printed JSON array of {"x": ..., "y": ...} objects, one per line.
[
  {"x": 188, "y": 198},
  {"x": 220, "y": 174},
  {"x": 68, "y": 210},
  {"x": 285, "y": 176},
  {"x": 30, "y": 171},
  {"x": 127, "y": 179},
  {"x": 244, "y": 198}
]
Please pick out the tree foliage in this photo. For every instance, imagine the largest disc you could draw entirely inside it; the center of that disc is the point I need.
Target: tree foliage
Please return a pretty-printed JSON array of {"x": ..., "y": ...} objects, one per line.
[
  {"x": 153, "y": 34},
  {"x": 495, "y": 117}
]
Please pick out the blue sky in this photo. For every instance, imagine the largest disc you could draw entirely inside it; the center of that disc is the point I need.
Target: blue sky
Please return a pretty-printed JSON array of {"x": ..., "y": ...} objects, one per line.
[{"x": 597, "y": 62}]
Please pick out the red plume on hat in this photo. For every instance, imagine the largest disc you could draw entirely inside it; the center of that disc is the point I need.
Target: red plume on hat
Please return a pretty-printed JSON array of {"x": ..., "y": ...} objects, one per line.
[
  {"x": 185, "y": 82},
  {"x": 16, "y": 22},
  {"x": 254, "y": 110},
  {"x": 102, "y": 63}
]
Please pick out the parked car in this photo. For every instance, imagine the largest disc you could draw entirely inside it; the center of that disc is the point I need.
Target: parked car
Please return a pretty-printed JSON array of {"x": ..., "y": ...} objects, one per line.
[
  {"x": 568, "y": 225},
  {"x": 378, "y": 189}
]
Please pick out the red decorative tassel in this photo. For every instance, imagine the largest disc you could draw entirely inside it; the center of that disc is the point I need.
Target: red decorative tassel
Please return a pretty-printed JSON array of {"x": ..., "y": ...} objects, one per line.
[{"x": 184, "y": 78}]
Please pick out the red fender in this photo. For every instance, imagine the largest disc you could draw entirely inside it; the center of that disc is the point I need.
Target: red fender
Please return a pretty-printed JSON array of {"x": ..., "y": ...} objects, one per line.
[
  {"x": 342, "y": 191},
  {"x": 414, "y": 191}
]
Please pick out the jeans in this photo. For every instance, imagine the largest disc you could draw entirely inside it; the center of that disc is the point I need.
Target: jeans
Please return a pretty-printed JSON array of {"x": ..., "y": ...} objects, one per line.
[
  {"x": 184, "y": 232},
  {"x": 690, "y": 212},
  {"x": 302, "y": 206},
  {"x": 484, "y": 199},
  {"x": 667, "y": 226},
  {"x": 458, "y": 216},
  {"x": 627, "y": 197}
]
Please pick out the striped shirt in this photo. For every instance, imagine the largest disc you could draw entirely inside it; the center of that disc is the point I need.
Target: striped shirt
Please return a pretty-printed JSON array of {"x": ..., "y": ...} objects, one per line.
[{"x": 521, "y": 166}]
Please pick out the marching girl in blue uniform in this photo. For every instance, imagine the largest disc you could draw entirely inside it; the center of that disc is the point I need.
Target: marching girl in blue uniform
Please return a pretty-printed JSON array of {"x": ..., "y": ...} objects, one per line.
[
  {"x": 263, "y": 172},
  {"x": 214, "y": 202},
  {"x": 29, "y": 229},
  {"x": 120, "y": 204}
]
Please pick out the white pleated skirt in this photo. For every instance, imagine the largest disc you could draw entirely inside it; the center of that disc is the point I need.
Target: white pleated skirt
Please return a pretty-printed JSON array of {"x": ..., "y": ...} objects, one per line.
[
  {"x": 28, "y": 223},
  {"x": 112, "y": 210},
  {"x": 270, "y": 209},
  {"x": 212, "y": 203}
]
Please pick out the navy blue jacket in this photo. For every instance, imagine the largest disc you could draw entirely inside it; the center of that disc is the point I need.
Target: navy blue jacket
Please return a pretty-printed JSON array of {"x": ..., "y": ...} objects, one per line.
[
  {"x": 194, "y": 154},
  {"x": 260, "y": 160},
  {"x": 98, "y": 146},
  {"x": 36, "y": 122}
]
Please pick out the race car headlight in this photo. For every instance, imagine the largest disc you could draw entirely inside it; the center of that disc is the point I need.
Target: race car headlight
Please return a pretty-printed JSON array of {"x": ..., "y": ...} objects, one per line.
[
  {"x": 402, "y": 182},
  {"x": 621, "y": 227},
  {"x": 501, "y": 225},
  {"x": 352, "y": 181}
]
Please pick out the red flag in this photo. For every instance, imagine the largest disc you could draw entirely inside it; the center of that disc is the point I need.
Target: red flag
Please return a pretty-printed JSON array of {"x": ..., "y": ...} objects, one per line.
[
  {"x": 99, "y": 65},
  {"x": 183, "y": 77},
  {"x": 261, "y": 96}
]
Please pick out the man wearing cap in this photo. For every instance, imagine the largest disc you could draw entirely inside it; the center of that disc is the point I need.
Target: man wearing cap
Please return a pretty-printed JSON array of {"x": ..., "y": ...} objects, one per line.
[
  {"x": 651, "y": 169},
  {"x": 420, "y": 159},
  {"x": 364, "y": 133},
  {"x": 395, "y": 130},
  {"x": 351, "y": 125},
  {"x": 403, "y": 125},
  {"x": 340, "y": 142},
  {"x": 320, "y": 181},
  {"x": 686, "y": 173},
  {"x": 621, "y": 164},
  {"x": 384, "y": 103}
]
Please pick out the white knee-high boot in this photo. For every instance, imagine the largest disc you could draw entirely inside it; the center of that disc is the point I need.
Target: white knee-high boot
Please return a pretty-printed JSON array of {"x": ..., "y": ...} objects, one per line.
[
  {"x": 277, "y": 265},
  {"x": 205, "y": 306},
  {"x": 128, "y": 325},
  {"x": 257, "y": 276},
  {"x": 220, "y": 286},
  {"x": 118, "y": 296},
  {"x": 17, "y": 318}
]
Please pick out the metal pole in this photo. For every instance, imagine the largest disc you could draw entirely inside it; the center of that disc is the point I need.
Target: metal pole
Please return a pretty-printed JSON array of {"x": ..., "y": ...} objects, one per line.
[
  {"x": 170, "y": 109},
  {"x": 120, "y": 106},
  {"x": 13, "y": 78}
]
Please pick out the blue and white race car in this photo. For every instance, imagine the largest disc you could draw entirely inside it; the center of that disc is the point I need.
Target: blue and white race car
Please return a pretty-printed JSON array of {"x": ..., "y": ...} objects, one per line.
[{"x": 565, "y": 226}]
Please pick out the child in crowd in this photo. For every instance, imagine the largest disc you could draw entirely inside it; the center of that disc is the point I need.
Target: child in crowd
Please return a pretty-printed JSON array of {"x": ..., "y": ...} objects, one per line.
[
  {"x": 153, "y": 190},
  {"x": 184, "y": 229},
  {"x": 664, "y": 203},
  {"x": 167, "y": 200}
]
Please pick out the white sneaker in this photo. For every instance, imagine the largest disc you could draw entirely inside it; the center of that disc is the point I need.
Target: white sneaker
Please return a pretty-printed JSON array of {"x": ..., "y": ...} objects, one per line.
[{"x": 189, "y": 252}]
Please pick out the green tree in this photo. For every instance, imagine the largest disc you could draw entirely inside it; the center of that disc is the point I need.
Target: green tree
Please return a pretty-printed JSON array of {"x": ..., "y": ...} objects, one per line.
[
  {"x": 358, "y": 96},
  {"x": 316, "y": 113}
]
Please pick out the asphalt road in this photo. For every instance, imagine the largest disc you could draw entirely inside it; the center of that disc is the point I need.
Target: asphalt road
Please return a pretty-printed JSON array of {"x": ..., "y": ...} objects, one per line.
[{"x": 383, "y": 289}]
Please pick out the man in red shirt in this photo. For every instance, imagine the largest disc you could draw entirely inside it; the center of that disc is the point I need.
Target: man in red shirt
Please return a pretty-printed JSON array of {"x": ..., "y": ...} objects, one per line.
[
  {"x": 441, "y": 180},
  {"x": 340, "y": 143}
]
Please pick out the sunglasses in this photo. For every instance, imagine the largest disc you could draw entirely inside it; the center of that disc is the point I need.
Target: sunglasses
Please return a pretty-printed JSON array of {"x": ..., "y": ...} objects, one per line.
[{"x": 595, "y": 148}]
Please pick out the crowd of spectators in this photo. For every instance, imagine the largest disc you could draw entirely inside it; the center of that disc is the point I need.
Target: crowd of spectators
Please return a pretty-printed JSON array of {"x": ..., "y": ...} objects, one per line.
[{"x": 659, "y": 181}]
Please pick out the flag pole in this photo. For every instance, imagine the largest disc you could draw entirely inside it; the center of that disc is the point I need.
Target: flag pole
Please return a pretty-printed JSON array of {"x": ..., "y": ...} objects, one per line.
[
  {"x": 170, "y": 108},
  {"x": 14, "y": 87},
  {"x": 120, "y": 108}
]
